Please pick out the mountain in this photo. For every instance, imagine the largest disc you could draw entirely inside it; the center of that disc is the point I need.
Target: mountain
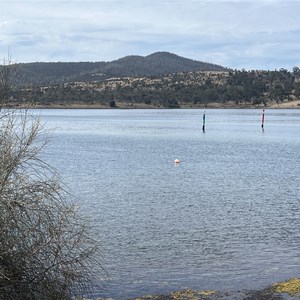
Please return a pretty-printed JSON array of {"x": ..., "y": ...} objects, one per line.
[
  {"x": 159, "y": 63},
  {"x": 156, "y": 64}
]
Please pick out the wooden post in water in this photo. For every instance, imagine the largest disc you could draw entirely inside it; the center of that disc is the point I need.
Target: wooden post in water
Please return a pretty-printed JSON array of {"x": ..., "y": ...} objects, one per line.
[
  {"x": 263, "y": 120},
  {"x": 203, "y": 123}
]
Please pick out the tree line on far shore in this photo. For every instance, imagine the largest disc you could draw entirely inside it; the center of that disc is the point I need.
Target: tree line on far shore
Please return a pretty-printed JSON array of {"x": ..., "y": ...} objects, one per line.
[{"x": 169, "y": 91}]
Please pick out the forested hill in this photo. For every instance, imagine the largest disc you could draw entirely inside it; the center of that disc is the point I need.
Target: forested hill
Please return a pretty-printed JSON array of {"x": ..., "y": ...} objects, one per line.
[
  {"x": 156, "y": 64},
  {"x": 186, "y": 89}
]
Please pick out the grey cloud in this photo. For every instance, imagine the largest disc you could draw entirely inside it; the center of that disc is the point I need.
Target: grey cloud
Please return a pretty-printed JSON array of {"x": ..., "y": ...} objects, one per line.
[{"x": 233, "y": 33}]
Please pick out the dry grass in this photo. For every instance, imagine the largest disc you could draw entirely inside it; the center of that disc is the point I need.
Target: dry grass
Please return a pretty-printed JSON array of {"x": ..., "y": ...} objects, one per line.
[{"x": 291, "y": 287}]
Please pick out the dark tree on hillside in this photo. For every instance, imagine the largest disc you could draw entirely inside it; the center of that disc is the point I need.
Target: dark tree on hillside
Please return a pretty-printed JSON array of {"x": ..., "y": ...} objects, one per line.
[
  {"x": 112, "y": 103},
  {"x": 296, "y": 71}
]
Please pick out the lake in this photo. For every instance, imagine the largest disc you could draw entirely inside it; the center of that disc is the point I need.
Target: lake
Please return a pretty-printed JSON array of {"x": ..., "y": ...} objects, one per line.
[{"x": 226, "y": 217}]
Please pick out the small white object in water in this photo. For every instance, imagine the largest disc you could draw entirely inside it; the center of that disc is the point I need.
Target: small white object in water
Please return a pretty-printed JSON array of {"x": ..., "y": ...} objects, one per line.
[{"x": 176, "y": 161}]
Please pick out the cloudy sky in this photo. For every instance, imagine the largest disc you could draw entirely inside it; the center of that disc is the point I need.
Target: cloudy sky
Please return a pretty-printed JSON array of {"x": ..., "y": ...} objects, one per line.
[{"x": 250, "y": 34}]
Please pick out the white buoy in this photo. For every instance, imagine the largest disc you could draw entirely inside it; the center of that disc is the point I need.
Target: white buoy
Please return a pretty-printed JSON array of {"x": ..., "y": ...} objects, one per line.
[{"x": 176, "y": 161}]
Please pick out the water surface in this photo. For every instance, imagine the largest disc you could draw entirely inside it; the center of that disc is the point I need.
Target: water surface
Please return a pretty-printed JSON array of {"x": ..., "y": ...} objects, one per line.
[{"x": 226, "y": 217}]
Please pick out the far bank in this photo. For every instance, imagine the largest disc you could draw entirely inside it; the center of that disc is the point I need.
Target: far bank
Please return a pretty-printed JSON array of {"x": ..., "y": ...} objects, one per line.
[{"x": 295, "y": 104}]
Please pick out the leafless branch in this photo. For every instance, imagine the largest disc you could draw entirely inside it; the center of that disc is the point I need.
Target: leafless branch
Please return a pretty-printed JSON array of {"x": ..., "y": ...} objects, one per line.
[{"x": 46, "y": 249}]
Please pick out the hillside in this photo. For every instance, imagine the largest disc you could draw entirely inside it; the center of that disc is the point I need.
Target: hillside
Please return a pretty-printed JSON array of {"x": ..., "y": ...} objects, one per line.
[
  {"x": 156, "y": 64},
  {"x": 158, "y": 80},
  {"x": 186, "y": 89}
]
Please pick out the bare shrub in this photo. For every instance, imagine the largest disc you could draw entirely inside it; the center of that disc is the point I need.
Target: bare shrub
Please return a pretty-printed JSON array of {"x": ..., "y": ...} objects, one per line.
[
  {"x": 46, "y": 249},
  {"x": 7, "y": 76}
]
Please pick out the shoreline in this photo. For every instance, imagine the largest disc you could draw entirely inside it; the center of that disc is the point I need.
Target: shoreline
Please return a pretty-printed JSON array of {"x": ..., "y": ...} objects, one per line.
[
  {"x": 285, "y": 290},
  {"x": 295, "y": 104}
]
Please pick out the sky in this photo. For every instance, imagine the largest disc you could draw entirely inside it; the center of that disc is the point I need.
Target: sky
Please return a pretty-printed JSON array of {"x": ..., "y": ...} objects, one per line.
[{"x": 238, "y": 34}]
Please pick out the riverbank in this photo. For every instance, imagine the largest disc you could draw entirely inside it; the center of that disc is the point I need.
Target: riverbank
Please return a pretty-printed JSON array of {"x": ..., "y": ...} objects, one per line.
[
  {"x": 121, "y": 105},
  {"x": 232, "y": 105},
  {"x": 286, "y": 290}
]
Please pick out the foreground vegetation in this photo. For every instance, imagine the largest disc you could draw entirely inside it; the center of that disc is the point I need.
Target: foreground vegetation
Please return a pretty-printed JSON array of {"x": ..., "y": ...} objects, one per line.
[{"x": 46, "y": 247}]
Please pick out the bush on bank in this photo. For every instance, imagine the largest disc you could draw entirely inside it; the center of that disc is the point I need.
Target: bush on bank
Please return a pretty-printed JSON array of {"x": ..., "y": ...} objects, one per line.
[{"x": 46, "y": 249}]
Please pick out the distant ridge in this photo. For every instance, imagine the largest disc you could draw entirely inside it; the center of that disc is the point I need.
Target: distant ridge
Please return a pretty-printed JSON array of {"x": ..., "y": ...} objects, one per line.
[
  {"x": 155, "y": 64},
  {"x": 159, "y": 63}
]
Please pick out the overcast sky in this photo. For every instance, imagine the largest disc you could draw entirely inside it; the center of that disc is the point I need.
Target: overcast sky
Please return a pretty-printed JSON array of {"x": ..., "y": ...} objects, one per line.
[{"x": 250, "y": 34}]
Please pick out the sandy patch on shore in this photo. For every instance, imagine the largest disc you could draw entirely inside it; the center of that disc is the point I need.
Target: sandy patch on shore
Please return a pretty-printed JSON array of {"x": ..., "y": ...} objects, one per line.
[{"x": 289, "y": 104}]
